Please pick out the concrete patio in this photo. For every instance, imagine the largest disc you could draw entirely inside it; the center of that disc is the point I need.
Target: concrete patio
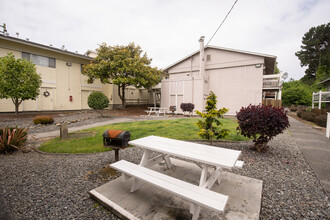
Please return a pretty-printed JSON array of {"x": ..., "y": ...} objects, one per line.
[{"x": 151, "y": 203}]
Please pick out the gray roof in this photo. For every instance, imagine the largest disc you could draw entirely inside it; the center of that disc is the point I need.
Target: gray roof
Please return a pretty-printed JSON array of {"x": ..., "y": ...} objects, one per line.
[
  {"x": 45, "y": 47},
  {"x": 226, "y": 49}
]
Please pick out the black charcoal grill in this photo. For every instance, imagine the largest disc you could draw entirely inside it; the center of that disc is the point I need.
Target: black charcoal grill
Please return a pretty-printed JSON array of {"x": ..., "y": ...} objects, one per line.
[{"x": 116, "y": 139}]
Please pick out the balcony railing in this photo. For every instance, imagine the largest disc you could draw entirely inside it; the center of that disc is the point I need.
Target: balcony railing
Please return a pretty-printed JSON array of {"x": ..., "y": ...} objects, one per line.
[
  {"x": 320, "y": 97},
  {"x": 271, "y": 81}
]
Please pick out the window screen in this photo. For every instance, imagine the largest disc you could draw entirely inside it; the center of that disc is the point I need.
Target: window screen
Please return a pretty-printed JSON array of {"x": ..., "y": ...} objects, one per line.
[
  {"x": 40, "y": 60},
  {"x": 25, "y": 56}
]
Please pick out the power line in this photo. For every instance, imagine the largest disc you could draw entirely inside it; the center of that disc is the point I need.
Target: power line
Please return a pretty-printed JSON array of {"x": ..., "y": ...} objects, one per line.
[{"x": 223, "y": 21}]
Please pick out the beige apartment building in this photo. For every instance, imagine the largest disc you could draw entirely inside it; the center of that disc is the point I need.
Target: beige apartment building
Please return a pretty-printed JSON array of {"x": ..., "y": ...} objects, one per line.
[
  {"x": 64, "y": 87},
  {"x": 238, "y": 78}
]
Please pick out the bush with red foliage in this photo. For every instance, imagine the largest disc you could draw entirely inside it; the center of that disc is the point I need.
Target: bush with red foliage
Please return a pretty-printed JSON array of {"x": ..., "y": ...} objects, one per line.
[
  {"x": 262, "y": 123},
  {"x": 187, "y": 107}
]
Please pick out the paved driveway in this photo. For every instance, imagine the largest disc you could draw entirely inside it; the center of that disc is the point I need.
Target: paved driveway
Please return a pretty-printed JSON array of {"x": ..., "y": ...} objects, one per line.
[{"x": 316, "y": 150}]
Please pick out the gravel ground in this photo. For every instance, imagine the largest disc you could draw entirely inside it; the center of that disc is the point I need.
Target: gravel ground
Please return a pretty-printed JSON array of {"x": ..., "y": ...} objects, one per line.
[
  {"x": 53, "y": 186},
  {"x": 49, "y": 186},
  {"x": 75, "y": 119}
]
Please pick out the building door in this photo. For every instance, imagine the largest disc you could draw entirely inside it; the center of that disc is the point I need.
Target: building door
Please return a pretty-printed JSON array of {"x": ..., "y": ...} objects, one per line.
[
  {"x": 176, "y": 100},
  {"x": 46, "y": 99}
]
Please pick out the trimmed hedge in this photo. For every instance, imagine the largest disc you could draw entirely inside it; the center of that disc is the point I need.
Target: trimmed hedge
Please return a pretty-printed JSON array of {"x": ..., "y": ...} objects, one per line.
[
  {"x": 309, "y": 116},
  {"x": 321, "y": 120},
  {"x": 98, "y": 101},
  {"x": 299, "y": 113},
  {"x": 318, "y": 116},
  {"x": 43, "y": 119}
]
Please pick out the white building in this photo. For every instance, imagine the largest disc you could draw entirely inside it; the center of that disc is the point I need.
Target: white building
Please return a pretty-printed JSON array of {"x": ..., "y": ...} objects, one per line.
[{"x": 238, "y": 78}]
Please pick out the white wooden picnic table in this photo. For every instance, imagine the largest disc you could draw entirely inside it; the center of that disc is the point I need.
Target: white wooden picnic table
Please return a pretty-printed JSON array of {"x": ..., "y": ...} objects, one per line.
[
  {"x": 205, "y": 155},
  {"x": 156, "y": 110}
]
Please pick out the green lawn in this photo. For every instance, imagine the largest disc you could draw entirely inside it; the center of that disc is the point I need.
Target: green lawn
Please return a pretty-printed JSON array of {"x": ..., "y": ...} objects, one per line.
[{"x": 181, "y": 129}]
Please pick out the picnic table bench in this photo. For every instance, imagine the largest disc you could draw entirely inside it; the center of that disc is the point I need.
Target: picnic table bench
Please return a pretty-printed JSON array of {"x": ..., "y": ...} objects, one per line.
[
  {"x": 156, "y": 110},
  {"x": 205, "y": 155}
]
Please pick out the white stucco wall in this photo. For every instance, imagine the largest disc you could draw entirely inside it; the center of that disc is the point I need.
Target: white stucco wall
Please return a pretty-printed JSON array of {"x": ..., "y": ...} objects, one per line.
[{"x": 232, "y": 76}]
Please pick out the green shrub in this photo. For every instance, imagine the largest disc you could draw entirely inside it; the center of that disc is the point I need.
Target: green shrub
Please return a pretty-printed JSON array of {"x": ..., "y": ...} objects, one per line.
[
  {"x": 12, "y": 139},
  {"x": 321, "y": 120},
  {"x": 262, "y": 123},
  {"x": 98, "y": 101},
  {"x": 308, "y": 116},
  {"x": 297, "y": 93},
  {"x": 43, "y": 119},
  {"x": 210, "y": 124}
]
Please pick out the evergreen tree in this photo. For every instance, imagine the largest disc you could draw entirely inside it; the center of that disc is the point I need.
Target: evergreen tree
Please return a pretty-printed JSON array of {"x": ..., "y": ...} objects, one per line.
[
  {"x": 210, "y": 124},
  {"x": 315, "y": 53}
]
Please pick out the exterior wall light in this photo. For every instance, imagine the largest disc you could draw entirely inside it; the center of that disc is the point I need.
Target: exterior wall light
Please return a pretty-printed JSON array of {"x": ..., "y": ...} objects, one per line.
[{"x": 258, "y": 65}]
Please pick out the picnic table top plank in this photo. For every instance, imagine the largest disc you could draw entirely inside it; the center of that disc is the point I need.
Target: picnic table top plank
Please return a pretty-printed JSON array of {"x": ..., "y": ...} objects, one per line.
[{"x": 215, "y": 156}]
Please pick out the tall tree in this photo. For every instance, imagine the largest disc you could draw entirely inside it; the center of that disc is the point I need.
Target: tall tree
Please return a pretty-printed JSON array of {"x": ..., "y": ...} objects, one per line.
[
  {"x": 122, "y": 66},
  {"x": 19, "y": 80},
  {"x": 315, "y": 52}
]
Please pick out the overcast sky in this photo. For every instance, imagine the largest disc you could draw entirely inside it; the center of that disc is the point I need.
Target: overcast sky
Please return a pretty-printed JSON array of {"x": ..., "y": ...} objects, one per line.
[{"x": 168, "y": 30}]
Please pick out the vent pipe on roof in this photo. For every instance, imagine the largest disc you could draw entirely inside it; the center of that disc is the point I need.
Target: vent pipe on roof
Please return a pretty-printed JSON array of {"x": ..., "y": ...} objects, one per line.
[{"x": 201, "y": 56}]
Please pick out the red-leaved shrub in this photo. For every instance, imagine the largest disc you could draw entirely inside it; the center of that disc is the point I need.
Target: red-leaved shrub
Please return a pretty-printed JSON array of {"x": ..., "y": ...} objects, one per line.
[
  {"x": 187, "y": 107},
  {"x": 262, "y": 123}
]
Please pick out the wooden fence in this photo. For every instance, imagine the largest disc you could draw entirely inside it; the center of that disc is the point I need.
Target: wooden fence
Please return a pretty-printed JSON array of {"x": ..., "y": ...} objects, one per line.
[{"x": 273, "y": 102}]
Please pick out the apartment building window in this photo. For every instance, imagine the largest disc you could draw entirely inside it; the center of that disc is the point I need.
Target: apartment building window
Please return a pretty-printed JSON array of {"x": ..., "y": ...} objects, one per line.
[{"x": 40, "y": 60}]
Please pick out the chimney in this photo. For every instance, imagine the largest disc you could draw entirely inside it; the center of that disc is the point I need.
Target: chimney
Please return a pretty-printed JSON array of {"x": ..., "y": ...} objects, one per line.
[
  {"x": 201, "y": 56},
  {"x": 201, "y": 43}
]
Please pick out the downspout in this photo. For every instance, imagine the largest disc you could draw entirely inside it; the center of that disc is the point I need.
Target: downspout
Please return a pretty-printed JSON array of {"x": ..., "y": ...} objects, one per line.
[
  {"x": 201, "y": 66},
  {"x": 192, "y": 80}
]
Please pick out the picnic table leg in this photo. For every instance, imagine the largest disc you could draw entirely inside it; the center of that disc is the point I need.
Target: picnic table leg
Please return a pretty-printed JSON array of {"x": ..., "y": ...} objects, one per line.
[
  {"x": 220, "y": 176},
  {"x": 144, "y": 162},
  {"x": 195, "y": 210},
  {"x": 145, "y": 158},
  {"x": 208, "y": 182},
  {"x": 204, "y": 175},
  {"x": 168, "y": 161}
]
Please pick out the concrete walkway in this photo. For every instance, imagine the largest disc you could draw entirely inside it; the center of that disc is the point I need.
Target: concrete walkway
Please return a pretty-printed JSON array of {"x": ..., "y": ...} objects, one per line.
[
  {"x": 56, "y": 133},
  {"x": 315, "y": 148}
]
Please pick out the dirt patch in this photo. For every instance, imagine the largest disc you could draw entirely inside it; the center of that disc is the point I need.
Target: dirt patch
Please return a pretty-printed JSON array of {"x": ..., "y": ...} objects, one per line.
[{"x": 102, "y": 175}]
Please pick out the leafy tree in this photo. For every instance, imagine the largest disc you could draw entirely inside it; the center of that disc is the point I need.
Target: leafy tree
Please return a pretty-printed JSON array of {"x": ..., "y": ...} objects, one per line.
[
  {"x": 98, "y": 101},
  {"x": 210, "y": 124},
  {"x": 122, "y": 66},
  {"x": 276, "y": 70},
  {"x": 315, "y": 51},
  {"x": 19, "y": 80},
  {"x": 296, "y": 92},
  {"x": 323, "y": 73}
]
